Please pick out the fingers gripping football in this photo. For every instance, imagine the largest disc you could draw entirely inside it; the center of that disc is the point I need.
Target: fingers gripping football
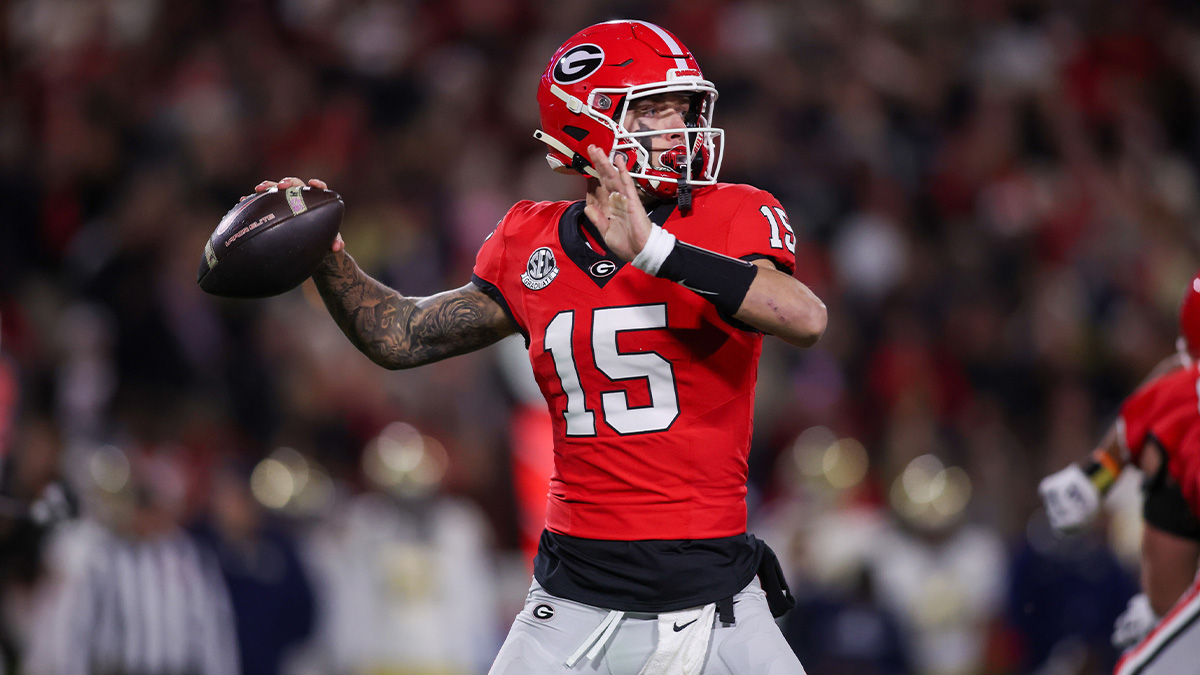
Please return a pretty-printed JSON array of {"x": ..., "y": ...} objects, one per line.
[
  {"x": 272, "y": 240},
  {"x": 292, "y": 181},
  {"x": 616, "y": 209}
]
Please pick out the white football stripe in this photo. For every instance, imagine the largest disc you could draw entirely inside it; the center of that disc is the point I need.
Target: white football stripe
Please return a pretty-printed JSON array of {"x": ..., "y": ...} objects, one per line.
[{"x": 671, "y": 43}]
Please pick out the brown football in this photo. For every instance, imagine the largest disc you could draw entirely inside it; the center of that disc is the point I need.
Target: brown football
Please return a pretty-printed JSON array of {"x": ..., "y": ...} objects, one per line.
[{"x": 270, "y": 242}]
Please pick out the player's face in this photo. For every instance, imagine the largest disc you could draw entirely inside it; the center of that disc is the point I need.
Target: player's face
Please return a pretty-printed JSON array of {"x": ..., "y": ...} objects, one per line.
[{"x": 665, "y": 111}]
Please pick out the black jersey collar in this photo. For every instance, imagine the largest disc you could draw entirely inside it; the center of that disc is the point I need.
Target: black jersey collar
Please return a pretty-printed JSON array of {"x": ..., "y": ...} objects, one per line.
[{"x": 600, "y": 268}]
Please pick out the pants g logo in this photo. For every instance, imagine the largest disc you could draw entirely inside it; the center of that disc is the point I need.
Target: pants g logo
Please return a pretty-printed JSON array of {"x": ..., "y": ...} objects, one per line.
[{"x": 543, "y": 612}]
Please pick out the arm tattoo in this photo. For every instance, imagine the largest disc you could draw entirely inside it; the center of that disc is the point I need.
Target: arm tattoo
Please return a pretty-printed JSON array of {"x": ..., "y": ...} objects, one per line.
[{"x": 399, "y": 332}]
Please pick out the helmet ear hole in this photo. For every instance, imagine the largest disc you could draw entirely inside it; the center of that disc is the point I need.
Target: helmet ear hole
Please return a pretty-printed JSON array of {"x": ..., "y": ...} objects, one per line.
[{"x": 578, "y": 133}]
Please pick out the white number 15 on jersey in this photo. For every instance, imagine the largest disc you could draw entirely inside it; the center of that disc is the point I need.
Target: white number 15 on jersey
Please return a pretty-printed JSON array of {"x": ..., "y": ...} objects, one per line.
[
  {"x": 607, "y": 323},
  {"x": 789, "y": 235}
]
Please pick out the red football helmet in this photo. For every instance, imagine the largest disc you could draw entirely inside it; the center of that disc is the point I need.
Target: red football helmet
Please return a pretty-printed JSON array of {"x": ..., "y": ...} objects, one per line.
[
  {"x": 590, "y": 84},
  {"x": 1189, "y": 320}
]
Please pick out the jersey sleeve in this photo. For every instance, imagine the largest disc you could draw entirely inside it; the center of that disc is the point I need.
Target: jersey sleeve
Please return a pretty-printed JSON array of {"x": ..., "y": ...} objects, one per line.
[
  {"x": 761, "y": 229},
  {"x": 490, "y": 259},
  {"x": 489, "y": 267},
  {"x": 1136, "y": 417}
]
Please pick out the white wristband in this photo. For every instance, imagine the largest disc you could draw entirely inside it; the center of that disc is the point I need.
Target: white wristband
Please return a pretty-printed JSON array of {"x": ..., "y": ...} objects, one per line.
[{"x": 658, "y": 246}]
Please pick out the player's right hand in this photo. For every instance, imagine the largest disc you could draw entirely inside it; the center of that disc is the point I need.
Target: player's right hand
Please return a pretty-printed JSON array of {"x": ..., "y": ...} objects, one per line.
[
  {"x": 292, "y": 181},
  {"x": 1071, "y": 499},
  {"x": 616, "y": 209}
]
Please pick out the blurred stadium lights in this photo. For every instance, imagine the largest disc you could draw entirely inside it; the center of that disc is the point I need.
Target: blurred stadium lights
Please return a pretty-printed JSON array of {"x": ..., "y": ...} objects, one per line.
[
  {"x": 109, "y": 469},
  {"x": 930, "y": 495},
  {"x": 289, "y": 482},
  {"x": 272, "y": 483},
  {"x": 822, "y": 457},
  {"x": 405, "y": 462}
]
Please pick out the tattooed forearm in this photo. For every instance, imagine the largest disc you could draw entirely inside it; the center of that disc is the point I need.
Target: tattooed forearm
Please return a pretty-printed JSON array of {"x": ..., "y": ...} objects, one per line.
[{"x": 399, "y": 332}]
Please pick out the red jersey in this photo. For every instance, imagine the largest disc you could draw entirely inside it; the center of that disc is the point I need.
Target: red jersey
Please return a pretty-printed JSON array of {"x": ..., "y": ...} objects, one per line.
[
  {"x": 1167, "y": 409},
  {"x": 651, "y": 390}
]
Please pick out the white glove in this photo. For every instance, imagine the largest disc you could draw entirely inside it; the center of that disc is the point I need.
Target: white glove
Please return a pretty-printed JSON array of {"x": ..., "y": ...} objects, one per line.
[
  {"x": 1071, "y": 499},
  {"x": 1135, "y": 622}
]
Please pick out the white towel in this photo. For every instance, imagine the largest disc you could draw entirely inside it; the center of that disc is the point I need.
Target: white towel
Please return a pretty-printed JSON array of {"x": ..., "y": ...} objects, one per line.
[{"x": 682, "y": 642}]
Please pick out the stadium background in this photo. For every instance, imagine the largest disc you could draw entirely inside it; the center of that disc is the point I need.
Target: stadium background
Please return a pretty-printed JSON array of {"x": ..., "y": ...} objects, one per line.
[{"x": 997, "y": 200}]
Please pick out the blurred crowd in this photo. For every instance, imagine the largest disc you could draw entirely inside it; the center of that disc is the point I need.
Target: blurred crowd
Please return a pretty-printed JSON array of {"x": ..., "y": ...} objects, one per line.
[{"x": 997, "y": 200}]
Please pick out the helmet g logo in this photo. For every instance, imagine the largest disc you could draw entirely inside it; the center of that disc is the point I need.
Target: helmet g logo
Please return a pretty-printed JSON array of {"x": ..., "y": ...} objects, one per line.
[{"x": 578, "y": 63}]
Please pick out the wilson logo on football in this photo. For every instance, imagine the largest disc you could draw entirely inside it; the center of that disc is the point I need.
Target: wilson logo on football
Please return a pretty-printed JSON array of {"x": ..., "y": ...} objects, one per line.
[
  {"x": 233, "y": 213},
  {"x": 540, "y": 270},
  {"x": 265, "y": 219},
  {"x": 578, "y": 63}
]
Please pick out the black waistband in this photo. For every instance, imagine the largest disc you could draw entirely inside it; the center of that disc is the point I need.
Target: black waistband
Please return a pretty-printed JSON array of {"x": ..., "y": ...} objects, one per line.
[{"x": 646, "y": 576}]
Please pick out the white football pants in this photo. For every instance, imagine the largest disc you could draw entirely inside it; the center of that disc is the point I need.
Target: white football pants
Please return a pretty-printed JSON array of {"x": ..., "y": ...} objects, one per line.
[
  {"x": 550, "y": 630},
  {"x": 1173, "y": 646}
]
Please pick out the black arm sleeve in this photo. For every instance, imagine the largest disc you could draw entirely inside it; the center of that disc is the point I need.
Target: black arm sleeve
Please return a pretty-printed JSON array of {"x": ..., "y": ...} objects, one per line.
[{"x": 1163, "y": 505}]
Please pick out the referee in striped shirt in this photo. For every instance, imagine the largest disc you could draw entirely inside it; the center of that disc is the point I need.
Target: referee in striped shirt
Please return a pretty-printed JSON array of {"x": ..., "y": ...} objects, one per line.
[{"x": 132, "y": 593}]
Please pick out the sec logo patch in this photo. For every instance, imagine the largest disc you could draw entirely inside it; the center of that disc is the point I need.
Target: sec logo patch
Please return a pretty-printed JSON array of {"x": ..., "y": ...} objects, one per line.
[{"x": 540, "y": 270}]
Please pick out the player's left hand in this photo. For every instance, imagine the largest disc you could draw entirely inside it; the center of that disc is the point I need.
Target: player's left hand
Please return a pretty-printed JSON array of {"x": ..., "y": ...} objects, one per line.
[
  {"x": 1070, "y": 498},
  {"x": 616, "y": 209}
]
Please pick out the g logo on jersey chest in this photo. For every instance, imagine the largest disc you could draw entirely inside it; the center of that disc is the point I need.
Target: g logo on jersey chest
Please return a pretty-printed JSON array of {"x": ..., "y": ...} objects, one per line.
[
  {"x": 603, "y": 268},
  {"x": 540, "y": 270}
]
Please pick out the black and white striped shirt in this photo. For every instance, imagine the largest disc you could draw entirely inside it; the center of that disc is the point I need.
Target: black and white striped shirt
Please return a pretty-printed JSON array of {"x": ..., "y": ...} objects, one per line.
[{"x": 137, "y": 607}]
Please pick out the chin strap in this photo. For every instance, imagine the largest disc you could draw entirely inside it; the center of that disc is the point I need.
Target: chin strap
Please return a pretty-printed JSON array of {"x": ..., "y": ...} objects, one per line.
[
  {"x": 684, "y": 196},
  {"x": 578, "y": 162}
]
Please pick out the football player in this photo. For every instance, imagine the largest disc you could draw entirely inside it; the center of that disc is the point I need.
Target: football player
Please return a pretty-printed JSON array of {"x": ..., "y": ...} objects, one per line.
[
  {"x": 1157, "y": 430},
  {"x": 644, "y": 307}
]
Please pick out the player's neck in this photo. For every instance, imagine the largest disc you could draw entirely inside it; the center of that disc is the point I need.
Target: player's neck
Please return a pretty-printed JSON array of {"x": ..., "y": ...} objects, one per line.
[{"x": 594, "y": 189}]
